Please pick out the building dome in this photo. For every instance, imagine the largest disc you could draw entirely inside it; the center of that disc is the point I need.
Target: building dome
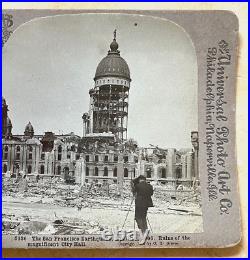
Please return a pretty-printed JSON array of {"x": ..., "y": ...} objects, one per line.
[
  {"x": 29, "y": 130},
  {"x": 29, "y": 127},
  {"x": 113, "y": 65}
]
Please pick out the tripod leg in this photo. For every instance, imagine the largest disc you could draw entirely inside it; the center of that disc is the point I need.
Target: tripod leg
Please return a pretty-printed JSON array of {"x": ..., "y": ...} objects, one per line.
[
  {"x": 149, "y": 225},
  {"x": 127, "y": 213}
]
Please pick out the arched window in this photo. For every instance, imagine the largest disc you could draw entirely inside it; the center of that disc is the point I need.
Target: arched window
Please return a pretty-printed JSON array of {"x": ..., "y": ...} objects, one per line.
[
  {"x": 42, "y": 156},
  {"x": 16, "y": 167},
  {"x": 42, "y": 169},
  {"x": 4, "y": 168},
  {"x": 58, "y": 170},
  {"x": 115, "y": 172},
  {"x": 125, "y": 172},
  {"x": 106, "y": 171},
  {"x": 87, "y": 171},
  {"x": 125, "y": 158},
  {"x": 18, "y": 153},
  {"x": 178, "y": 173},
  {"x": 163, "y": 173},
  {"x": 59, "y": 155},
  {"x": 66, "y": 171},
  {"x": 5, "y": 155},
  {"x": 149, "y": 172},
  {"x": 30, "y": 152},
  {"x": 29, "y": 169},
  {"x": 96, "y": 171}
]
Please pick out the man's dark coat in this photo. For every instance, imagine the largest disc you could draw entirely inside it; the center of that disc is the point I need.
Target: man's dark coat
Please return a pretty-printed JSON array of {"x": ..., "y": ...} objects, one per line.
[{"x": 144, "y": 191}]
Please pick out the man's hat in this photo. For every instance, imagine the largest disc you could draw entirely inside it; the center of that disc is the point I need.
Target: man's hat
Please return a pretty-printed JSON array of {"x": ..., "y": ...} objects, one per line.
[{"x": 141, "y": 177}]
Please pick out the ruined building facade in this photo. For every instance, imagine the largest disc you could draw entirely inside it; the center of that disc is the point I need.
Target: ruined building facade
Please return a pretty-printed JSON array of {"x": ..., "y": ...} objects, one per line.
[
  {"x": 104, "y": 153},
  {"x": 47, "y": 155},
  {"x": 108, "y": 153}
]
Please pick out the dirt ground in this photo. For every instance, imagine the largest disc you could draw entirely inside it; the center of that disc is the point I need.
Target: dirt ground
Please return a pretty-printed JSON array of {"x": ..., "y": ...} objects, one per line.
[{"x": 45, "y": 208}]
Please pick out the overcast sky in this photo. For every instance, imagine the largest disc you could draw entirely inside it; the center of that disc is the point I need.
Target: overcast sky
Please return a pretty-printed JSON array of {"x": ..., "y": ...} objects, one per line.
[{"x": 49, "y": 65}]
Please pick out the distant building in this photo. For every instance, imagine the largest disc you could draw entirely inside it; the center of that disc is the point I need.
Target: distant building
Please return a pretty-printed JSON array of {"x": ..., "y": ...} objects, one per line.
[{"x": 45, "y": 155}]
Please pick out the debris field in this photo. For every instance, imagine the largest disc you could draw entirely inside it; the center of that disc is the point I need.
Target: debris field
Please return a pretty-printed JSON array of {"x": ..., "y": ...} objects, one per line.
[{"x": 49, "y": 206}]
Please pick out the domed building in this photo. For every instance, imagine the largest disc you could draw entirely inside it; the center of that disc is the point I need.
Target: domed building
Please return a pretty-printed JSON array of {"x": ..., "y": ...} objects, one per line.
[
  {"x": 29, "y": 131},
  {"x": 110, "y": 156},
  {"x": 37, "y": 156},
  {"x": 109, "y": 98},
  {"x": 104, "y": 144}
]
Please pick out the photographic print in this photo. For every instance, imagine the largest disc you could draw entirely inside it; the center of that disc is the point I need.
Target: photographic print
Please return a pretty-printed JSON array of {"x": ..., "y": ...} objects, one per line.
[{"x": 102, "y": 125}]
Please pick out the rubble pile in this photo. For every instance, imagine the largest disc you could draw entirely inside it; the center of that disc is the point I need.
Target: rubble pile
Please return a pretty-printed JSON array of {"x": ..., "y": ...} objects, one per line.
[
  {"x": 54, "y": 193},
  {"x": 14, "y": 225},
  {"x": 188, "y": 196}
]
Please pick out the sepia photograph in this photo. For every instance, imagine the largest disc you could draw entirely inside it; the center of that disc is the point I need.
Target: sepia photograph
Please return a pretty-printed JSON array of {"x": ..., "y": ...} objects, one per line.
[{"x": 100, "y": 127}]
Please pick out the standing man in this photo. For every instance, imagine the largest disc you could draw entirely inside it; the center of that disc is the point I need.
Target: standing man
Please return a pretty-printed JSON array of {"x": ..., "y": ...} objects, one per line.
[{"x": 142, "y": 192}]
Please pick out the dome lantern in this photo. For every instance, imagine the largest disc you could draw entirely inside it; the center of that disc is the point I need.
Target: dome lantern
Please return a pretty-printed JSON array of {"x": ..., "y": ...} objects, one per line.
[{"x": 113, "y": 65}]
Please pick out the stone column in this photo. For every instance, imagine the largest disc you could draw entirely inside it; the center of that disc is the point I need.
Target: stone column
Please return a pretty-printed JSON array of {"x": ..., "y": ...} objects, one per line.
[
  {"x": 101, "y": 171},
  {"x": 11, "y": 157},
  {"x": 110, "y": 172},
  {"x": 91, "y": 170},
  {"x": 46, "y": 163},
  {"x": 80, "y": 172},
  {"x": 49, "y": 164},
  {"x": 195, "y": 143},
  {"x": 137, "y": 170},
  {"x": 37, "y": 159},
  {"x": 83, "y": 172},
  {"x": 171, "y": 163},
  {"x": 120, "y": 177},
  {"x": 196, "y": 165},
  {"x": 140, "y": 164},
  {"x": 155, "y": 172},
  {"x": 183, "y": 167},
  {"x": 24, "y": 159},
  {"x": 189, "y": 166},
  {"x": 78, "y": 176}
]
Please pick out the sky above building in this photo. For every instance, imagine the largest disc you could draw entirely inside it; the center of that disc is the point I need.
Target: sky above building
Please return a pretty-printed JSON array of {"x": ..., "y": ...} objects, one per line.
[{"x": 49, "y": 65}]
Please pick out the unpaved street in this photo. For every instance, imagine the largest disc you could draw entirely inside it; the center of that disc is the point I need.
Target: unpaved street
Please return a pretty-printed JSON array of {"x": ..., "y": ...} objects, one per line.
[{"x": 169, "y": 222}]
